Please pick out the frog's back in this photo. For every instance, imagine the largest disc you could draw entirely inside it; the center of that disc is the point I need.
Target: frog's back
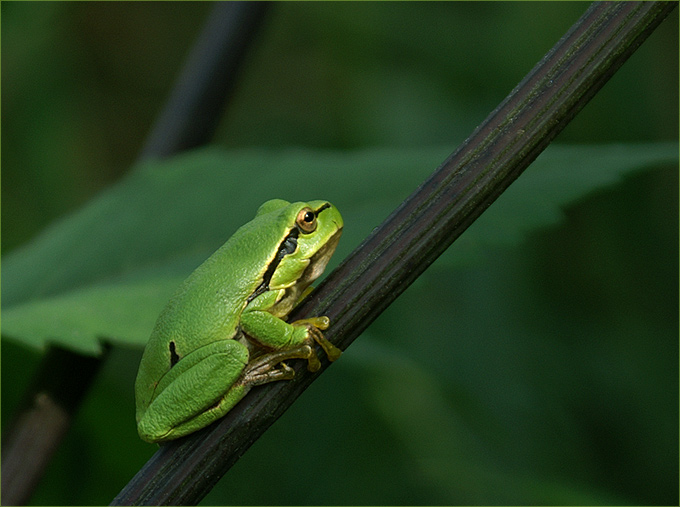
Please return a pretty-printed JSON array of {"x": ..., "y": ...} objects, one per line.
[{"x": 208, "y": 305}]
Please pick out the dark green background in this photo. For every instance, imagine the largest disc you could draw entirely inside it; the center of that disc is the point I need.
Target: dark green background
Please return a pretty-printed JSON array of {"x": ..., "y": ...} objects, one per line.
[{"x": 561, "y": 385}]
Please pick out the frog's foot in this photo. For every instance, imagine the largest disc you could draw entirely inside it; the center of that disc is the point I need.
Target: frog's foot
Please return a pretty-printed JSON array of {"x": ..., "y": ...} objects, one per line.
[
  {"x": 263, "y": 369},
  {"x": 255, "y": 378},
  {"x": 315, "y": 325}
]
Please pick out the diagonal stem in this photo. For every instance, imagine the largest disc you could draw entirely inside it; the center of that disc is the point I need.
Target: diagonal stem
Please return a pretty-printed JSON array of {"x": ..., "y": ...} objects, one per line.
[
  {"x": 43, "y": 418},
  {"x": 208, "y": 77},
  {"x": 384, "y": 265}
]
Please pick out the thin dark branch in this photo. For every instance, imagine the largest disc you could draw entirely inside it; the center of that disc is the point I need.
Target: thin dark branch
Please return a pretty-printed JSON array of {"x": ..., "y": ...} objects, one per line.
[
  {"x": 207, "y": 79},
  {"x": 42, "y": 420},
  {"x": 382, "y": 267},
  {"x": 188, "y": 120}
]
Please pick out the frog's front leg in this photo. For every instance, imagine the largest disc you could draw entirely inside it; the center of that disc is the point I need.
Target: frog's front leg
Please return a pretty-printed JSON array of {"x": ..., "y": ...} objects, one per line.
[
  {"x": 274, "y": 333},
  {"x": 314, "y": 324}
]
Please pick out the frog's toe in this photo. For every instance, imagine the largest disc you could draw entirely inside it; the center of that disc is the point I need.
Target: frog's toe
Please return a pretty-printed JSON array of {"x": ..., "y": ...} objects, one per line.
[
  {"x": 331, "y": 350},
  {"x": 286, "y": 372}
]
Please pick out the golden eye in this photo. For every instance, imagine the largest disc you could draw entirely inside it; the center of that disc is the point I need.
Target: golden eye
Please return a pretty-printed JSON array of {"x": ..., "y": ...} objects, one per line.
[{"x": 306, "y": 220}]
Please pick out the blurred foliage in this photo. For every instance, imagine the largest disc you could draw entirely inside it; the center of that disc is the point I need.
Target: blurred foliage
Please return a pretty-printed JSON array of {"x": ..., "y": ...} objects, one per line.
[
  {"x": 542, "y": 371},
  {"x": 123, "y": 255}
]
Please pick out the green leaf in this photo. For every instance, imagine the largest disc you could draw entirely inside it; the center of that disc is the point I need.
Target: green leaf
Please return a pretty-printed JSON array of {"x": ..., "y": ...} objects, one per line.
[
  {"x": 560, "y": 176},
  {"x": 105, "y": 272},
  {"x": 83, "y": 319}
]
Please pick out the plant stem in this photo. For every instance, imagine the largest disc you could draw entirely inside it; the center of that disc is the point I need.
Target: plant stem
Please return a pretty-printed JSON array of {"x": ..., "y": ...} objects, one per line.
[
  {"x": 43, "y": 419},
  {"x": 208, "y": 77},
  {"x": 385, "y": 264}
]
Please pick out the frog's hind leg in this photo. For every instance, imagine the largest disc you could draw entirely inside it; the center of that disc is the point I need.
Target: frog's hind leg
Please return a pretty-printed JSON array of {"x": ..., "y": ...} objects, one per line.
[
  {"x": 263, "y": 369},
  {"x": 190, "y": 395}
]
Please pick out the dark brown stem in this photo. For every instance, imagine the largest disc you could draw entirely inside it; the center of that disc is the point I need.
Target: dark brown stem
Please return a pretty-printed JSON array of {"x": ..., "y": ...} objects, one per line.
[
  {"x": 42, "y": 420},
  {"x": 382, "y": 267}
]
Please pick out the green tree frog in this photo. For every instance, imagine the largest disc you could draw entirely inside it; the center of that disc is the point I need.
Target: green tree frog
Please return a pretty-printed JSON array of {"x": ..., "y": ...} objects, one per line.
[{"x": 225, "y": 331}]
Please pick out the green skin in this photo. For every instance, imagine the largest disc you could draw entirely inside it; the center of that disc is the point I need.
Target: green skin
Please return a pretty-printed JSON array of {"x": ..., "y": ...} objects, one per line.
[{"x": 224, "y": 332}]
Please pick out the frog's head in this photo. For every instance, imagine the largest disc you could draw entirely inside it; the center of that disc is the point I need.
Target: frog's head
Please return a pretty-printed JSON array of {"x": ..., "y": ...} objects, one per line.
[{"x": 313, "y": 230}]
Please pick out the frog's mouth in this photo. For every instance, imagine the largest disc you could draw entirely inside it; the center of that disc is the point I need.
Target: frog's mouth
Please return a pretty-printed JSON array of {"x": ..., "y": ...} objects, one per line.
[{"x": 318, "y": 261}]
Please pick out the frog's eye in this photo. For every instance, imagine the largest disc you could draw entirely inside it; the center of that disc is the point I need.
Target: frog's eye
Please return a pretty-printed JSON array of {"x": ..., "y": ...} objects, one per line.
[{"x": 306, "y": 220}]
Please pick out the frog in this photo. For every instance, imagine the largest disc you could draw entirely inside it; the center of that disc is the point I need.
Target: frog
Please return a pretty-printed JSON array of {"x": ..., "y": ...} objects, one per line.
[{"x": 225, "y": 329}]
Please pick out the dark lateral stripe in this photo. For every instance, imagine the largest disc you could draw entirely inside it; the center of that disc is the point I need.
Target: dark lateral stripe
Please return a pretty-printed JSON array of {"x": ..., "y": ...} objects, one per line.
[
  {"x": 173, "y": 355},
  {"x": 287, "y": 246},
  {"x": 323, "y": 207}
]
